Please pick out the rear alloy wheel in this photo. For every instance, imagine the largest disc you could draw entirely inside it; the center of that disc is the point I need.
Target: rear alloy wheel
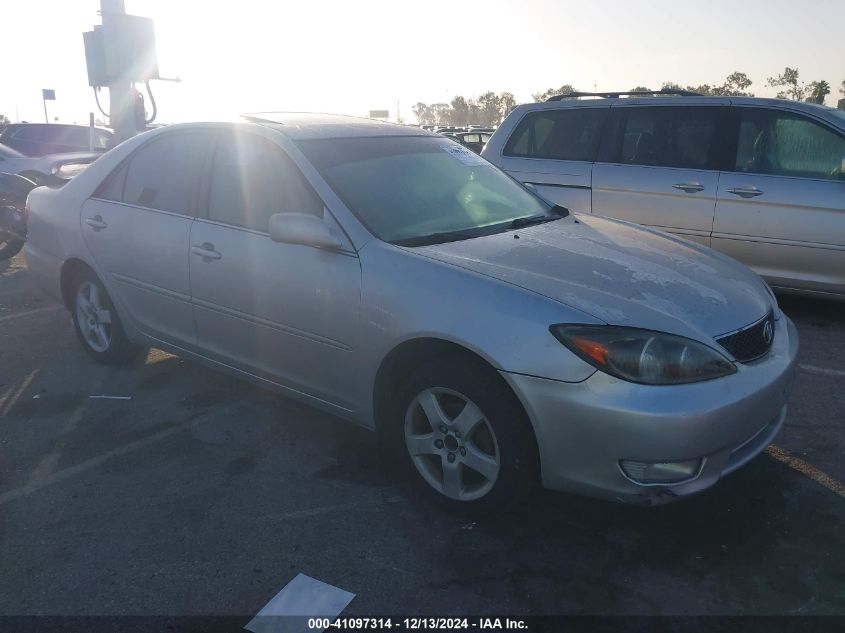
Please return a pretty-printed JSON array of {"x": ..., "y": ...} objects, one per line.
[
  {"x": 98, "y": 325},
  {"x": 451, "y": 444},
  {"x": 94, "y": 317},
  {"x": 463, "y": 437}
]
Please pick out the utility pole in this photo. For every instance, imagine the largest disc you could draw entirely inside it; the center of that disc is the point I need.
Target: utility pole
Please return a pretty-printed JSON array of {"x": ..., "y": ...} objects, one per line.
[{"x": 121, "y": 91}]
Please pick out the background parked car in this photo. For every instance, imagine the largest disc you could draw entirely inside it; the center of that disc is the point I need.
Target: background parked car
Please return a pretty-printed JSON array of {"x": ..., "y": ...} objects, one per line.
[
  {"x": 758, "y": 179},
  {"x": 473, "y": 139},
  {"x": 13, "y": 192},
  {"x": 40, "y": 139},
  {"x": 45, "y": 169}
]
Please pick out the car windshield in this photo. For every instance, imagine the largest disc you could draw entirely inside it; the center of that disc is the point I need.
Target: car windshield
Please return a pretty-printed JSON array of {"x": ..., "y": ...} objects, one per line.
[{"x": 419, "y": 189}]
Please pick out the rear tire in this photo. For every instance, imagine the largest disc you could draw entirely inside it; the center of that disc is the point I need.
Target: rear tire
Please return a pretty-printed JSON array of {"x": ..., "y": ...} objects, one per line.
[
  {"x": 463, "y": 437},
  {"x": 98, "y": 325},
  {"x": 9, "y": 246}
]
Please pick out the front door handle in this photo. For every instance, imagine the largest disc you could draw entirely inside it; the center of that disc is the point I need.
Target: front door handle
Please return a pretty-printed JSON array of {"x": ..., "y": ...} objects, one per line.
[
  {"x": 206, "y": 251},
  {"x": 745, "y": 192},
  {"x": 689, "y": 187},
  {"x": 96, "y": 223}
]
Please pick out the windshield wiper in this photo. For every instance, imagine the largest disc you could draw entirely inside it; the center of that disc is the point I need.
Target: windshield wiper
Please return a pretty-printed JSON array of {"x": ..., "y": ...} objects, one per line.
[
  {"x": 540, "y": 218},
  {"x": 518, "y": 223},
  {"x": 435, "y": 238}
]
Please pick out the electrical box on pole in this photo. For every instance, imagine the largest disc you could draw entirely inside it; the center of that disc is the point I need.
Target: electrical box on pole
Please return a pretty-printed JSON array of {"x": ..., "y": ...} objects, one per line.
[
  {"x": 119, "y": 53},
  {"x": 122, "y": 49}
]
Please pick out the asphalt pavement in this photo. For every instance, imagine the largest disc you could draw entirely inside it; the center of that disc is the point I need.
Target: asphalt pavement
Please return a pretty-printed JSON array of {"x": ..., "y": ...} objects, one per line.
[{"x": 204, "y": 495}]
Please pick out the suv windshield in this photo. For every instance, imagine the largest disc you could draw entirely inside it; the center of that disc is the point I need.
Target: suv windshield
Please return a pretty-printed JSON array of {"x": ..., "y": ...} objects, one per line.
[{"x": 417, "y": 190}]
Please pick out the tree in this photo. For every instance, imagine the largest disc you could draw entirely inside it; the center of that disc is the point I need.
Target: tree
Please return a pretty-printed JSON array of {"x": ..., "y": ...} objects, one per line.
[
  {"x": 841, "y": 104},
  {"x": 640, "y": 89},
  {"x": 488, "y": 105},
  {"x": 565, "y": 89},
  {"x": 703, "y": 89},
  {"x": 441, "y": 113},
  {"x": 792, "y": 87},
  {"x": 507, "y": 102},
  {"x": 818, "y": 90},
  {"x": 460, "y": 111},
  {"x": 423, "y": 113},
  {"x": 735, "y": 85},
  {"x": 4, "y": 120}
]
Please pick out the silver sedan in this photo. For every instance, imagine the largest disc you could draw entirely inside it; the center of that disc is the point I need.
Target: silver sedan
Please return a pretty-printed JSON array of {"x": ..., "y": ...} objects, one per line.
[{"x": 398, "y": 280}]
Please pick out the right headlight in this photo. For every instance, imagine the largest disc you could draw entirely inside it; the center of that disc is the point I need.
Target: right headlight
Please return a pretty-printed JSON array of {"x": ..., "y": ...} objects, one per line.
[{"x": 643, "y": 356}]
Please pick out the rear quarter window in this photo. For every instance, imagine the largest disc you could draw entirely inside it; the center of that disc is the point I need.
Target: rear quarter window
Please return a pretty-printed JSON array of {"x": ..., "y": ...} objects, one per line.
[{"x": 565, "y": 134}]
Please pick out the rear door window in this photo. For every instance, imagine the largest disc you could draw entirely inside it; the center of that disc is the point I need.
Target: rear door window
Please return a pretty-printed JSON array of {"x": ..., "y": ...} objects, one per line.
[
  {"x": 564, "y": 134},
  {"x": 779, "y": 143},
  {"x": 164, "y": 174},
  {"x": 665, "y": 136}
]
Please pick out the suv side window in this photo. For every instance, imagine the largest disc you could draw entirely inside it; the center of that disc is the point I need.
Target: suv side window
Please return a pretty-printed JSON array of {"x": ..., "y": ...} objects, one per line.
[
  {"x": 669, "y": 136},
  {"x": 781, "y": 143},
  {"x": 564, "y": 134},
  {"x": 164, "y": 174},
  {"x": 252, "y": 179}
]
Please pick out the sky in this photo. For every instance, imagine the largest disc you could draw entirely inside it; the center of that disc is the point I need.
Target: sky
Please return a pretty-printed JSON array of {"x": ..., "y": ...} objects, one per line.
[{"x": 350, "y": 57}]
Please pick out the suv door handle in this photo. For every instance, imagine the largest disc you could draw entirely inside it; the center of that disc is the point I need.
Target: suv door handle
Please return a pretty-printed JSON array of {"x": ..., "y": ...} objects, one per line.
[
  {"x": 689, "y": 187},
  {"x": 96, "y": 223},
  {"x": 745, "y": 192},
  {"x": 206, "y": 251}
]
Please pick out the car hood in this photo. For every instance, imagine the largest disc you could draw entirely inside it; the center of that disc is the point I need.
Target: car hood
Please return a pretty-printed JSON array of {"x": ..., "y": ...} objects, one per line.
[{"x": 620, "y": 273}]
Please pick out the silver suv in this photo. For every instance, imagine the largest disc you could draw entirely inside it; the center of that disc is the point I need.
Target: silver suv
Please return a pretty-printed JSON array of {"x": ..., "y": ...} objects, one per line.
[{"x": 759, "y": 179}]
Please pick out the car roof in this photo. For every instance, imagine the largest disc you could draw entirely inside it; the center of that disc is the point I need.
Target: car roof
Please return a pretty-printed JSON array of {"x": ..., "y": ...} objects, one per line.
[
  {"x": 824, "y": 112},
  {"x": 676, "y": 100},
  {"x": 305, "y": 125}
]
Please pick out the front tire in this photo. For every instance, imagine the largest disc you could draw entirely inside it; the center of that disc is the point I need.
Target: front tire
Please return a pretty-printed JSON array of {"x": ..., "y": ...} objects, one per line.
[
  {"x": 98, "y": 325},
  {"x": 463, "y": 436}
]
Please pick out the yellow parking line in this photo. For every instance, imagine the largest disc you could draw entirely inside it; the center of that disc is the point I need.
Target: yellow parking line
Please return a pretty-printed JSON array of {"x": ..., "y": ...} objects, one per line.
[
  {"x": 804, "y": 468},
  {"x": 9, "y": 398},
  {"x": 26, "y": 313}
]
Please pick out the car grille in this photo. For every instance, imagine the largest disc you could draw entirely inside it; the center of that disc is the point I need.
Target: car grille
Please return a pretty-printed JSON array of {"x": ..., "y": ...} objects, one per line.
[{"x": 751, "y": 342}]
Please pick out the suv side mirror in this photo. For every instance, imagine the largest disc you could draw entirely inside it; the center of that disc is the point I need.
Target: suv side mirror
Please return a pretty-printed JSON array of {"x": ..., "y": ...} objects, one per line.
[{"x": 302, "y": 228}]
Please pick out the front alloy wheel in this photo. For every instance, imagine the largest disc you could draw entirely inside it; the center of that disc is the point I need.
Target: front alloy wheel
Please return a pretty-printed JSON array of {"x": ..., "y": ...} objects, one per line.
[{"x": 451, "y": 444}]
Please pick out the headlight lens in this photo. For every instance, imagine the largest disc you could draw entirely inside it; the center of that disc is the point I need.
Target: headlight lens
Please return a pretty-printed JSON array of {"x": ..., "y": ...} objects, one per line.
[{"x": 643, "y": 356}]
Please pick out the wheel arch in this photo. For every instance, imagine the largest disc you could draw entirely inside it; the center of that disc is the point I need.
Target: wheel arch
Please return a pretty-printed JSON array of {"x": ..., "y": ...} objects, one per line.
[
  {"x": 71, "y": 270},
  {"x": 411, "y": 353}
]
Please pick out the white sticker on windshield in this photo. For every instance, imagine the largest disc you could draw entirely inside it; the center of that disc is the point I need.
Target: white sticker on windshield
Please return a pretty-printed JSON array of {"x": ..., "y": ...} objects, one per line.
[{"x": 466, "y": 156}]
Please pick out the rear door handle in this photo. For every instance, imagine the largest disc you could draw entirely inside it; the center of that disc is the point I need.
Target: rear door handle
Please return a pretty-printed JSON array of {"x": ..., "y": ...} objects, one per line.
[
  {"x": 206, "y": 251},
  {"x": 96, "y": 223},
  {"x": 689, "y": 187},
  {"x": 745, "y": 192}
]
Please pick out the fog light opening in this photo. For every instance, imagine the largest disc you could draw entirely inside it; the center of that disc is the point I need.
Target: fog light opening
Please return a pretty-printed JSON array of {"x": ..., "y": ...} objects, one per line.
[{"x": 651, "y": 473}]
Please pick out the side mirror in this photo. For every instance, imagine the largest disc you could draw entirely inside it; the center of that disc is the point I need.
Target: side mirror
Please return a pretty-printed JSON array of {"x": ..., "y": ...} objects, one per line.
[{"x": 302, "y": 228}]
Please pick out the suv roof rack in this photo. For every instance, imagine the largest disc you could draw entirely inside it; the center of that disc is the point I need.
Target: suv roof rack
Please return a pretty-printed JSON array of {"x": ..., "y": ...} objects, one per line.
[{"x": 629, "y": 93}]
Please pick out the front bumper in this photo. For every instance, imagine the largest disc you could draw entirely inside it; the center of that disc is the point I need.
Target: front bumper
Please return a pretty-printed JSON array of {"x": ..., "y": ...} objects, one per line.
[{"x": 584, "y": 429}]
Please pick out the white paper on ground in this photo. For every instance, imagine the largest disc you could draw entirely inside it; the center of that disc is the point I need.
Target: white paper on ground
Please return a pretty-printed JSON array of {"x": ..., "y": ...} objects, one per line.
[{"x": 302, "y": 598}]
